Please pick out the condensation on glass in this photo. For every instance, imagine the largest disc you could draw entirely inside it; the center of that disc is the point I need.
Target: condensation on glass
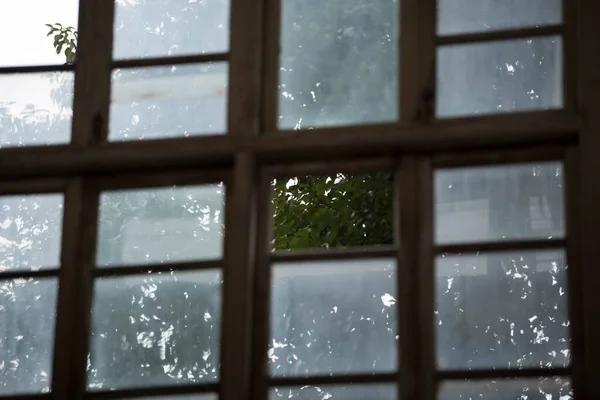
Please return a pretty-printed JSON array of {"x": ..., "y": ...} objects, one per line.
[
  {"x": 35, "y": 108},
  {"x": 172, "y": 101},
  {"x": 30, "y": 232},
  {"x": 161, "y": 225},
  {"x": 161, "y": 28},
  {"x": 25, "y": 34},
  {"x": 500, "y": 77},
  {"x": 502, "y": 310},
  {"x": 336, "y": 392},
  {"x": 27, "y": 318},
  {"x": 471, "y": 16},
  {"x": 333, "y": 317},
  {"x": 155, "y": 330},
  {"x": 493, "y": 203},
  {"x": 338, "y": 63},
  {"x": 338, "y": 210},
  {"x": 552, "y": 388}
]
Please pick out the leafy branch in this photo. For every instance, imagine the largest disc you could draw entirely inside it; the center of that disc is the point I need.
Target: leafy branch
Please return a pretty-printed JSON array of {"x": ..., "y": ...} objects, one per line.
[{"x": 65, "y": 37}]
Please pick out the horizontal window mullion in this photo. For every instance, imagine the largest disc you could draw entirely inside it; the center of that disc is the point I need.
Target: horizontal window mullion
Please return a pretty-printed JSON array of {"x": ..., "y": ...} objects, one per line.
[
  {"x": 333, "y": 379},
  {"x": 153, "y": 392},
  {"x": 499, "y": 246},
  {"x": 179, "y": 60},
  {"x": 507, "y": 34},
  {"x": 501, "y": 373}
]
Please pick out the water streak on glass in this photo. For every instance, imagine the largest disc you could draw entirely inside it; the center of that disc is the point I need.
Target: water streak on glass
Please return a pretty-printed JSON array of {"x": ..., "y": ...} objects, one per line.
[
  {"x": 161, "y": 28},
  {"x": 338, "y": 63},
  {"x": 161, "y": 225},
  {"x": 554, "y": 388},
  {"x": 470, "y": 16},
  {"x": 30, "y": 232},
  {"x": 155, "y": 330},
  {"x": 36, "y": 108},
  {"x": 337, "y": 392},
  {"x": 333, "y": 211},
  {"x": 27, "y": 318},
  {"x": 161, "y": 102},
  {"x": 502, "y": 310},
  {"x": 475, "y": 204},
  {"x": 500, "y": 77},
  {"x": 336, "y": 317}
]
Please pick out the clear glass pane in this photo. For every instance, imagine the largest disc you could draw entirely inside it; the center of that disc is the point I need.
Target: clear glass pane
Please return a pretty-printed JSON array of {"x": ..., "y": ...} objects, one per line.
[
  {"x": 26, "y": 20},
  {"x": 35, "y": 108},
  {"x": 159, "y": 225},
  {"x": 30, "y": 232},
  {"x": 338, "y": 63},
  {"x": 499, "y": 203},
  {"x": 162, "y": 102},
  {"x": 341, "y": 392},
  {"x": 499, "y": 77},
  {"x": 155, "y": 330},
  {"x": 470, "y": 16},
  {"x": 508, "y": 389},
  {"x": 502, "y": 310},
  {"x": 27, "y": 314},
  {"x": 333, "y": 317},
  {"x": 333, "y": 211},
  {"x": 160, "y": 28}
]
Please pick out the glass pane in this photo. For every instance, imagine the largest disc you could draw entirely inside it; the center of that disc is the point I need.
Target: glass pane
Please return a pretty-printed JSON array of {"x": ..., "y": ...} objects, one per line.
[
  {"x": 159, "y": 225},
  {"x": 333, "y": 211},
  {"x": 499, "y": 203},
  {"x": 26, "y": 20},
  {"x": 499, "y": 77},
  {"x": 346, "y": 392},
  {"x": 30, "y": 232},
  {"x": 155, "y": 330},
  {"x": 338, "y": 62},
  {"x": 203, "y": 396},
  {"x": 35, "y": 108},
  {"x": 162, "y": 102},
  {"x": 469, "y": 16},
  {"x": 508, "y": 389},
  {"x": 333, "y": 317},
  {"x": 160, "y": 28},
  {"x": 27, "y": 313},
  {"x": 502, "y": 310}
]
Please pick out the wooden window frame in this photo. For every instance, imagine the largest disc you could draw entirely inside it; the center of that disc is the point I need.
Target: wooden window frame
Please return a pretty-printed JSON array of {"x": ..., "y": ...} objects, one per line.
[{"x": 254, "y": 150}]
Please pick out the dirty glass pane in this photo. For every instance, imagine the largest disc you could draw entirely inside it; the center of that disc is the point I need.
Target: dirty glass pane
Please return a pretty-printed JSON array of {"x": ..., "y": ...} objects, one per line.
[
  {"x": 155, "y": 330},
  {"x": 502, "y": 310},
  {"x": 499, "y": 77},
  {"x": 27, "y": 314},
  {"x": 35, "y": 108},
  {"x": 24, "y": 33},
  {"x": 159, "y": 225},
  {"x": 338, "y": 392},
  {"x": 162, "y": 102},
  {"x": 509, "y": 202},
  {"x": 160, "y": 28},
  {"x": 470, "y": 16},
  {"x": 338, "y": 62},
  {"x": 508, "y": 389},
  {"x": 333, "y": 211},
  {"x": 30, "y": 232},
  {"x": 333, "y": 317}
]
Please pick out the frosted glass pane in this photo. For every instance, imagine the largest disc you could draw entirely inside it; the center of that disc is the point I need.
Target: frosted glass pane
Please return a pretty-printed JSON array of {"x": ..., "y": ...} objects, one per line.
[
  {"x": 341, "y": 392},
  {"x": 508, "y": 389}
]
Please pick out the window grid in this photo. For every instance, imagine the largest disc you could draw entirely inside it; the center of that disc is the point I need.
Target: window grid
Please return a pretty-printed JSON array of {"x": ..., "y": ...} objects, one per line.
[{"x": 541, "y": 135}]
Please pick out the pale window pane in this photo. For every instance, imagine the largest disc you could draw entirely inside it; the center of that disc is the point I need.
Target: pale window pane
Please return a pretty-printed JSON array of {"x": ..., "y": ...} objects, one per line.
[
  {"x": 333, "y": 317},
  {"x": 155, "y": 330},
  {"x": 161, "y": 225},
  {"x": 508, "y": 389},
  {"x": 502, "y": 310},
  {"x": 469, "y": 16},
  {"x": 499, "y": 203},
  {"x": 338, "y": 392},
  {"x": 159, "y": 28},
  {"x": 36, "y": 108},
  {"x": 338, "y": 62},
  {"x": 499, "y": 77},
  {"x": 161, "y": 102},
  {"x": 27, "y": 314},
  {"x": 30, "y": 231}
]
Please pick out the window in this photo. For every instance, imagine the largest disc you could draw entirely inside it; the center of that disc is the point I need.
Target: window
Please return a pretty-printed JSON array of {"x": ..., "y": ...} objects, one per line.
[{"x": 294, "y": 199}]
